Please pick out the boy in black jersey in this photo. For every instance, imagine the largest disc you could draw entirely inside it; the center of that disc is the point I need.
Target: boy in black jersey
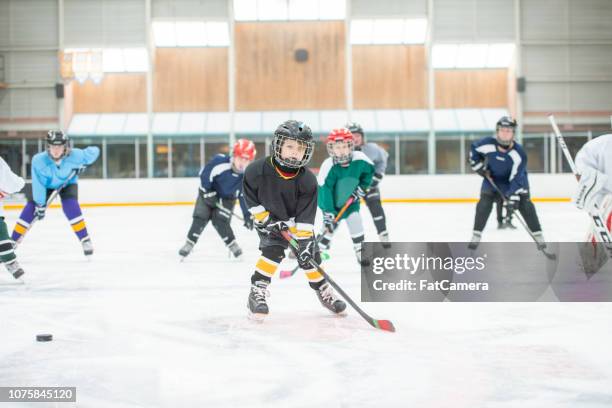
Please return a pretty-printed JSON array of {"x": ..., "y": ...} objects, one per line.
[{"x": 281, "y": 193}]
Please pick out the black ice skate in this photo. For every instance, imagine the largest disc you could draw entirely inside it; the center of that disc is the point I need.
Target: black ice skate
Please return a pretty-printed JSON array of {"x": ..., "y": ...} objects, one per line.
[
  {"x": 328, "y": 299},
  {"x": 539, "y": 239},
  {"x": 14, "y": 269},
  {"x": 87, "y": 247},
  {"x": 258, "y": 308},
  {"x": 384, "y": 238},
  {"x": 235, "y": 250},
  {"x": 475, "y": 240},
  {"x": 186, "y": 249}
]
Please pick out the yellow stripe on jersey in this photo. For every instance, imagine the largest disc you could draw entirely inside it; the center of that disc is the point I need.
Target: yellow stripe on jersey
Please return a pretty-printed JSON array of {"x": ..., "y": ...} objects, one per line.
[
  {"x": 261, "y": 216},
  {"x": 266, "y": 267},
  {"x": 313, "y": 275},
  {"x": 78, "y": 226},
  {"x": 20, "y": 229}
]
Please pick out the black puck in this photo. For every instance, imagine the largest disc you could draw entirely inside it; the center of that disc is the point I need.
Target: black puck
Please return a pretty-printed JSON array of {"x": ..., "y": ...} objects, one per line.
[{"x": 44, "y": 337}]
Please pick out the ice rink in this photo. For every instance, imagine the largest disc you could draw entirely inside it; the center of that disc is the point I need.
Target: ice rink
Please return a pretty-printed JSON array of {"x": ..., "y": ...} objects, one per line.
[{"x": 133, "y": 327}]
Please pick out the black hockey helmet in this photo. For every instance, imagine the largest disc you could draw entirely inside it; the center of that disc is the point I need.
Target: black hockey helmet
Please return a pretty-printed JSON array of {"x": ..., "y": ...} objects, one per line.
[
  {"x": 506, "y": 122},
  {"x": 355, "y": 127},
  {"x": 294, "y": 130},
  {"x": 57, "y": 138}
]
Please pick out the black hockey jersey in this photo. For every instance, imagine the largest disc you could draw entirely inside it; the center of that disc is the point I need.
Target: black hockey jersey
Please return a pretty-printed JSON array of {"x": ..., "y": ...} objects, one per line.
[{"x": 284, "y": 197}]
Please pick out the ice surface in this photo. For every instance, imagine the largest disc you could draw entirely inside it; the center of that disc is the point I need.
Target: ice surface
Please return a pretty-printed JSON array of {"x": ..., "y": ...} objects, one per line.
[{"x": 133, "y": 327}]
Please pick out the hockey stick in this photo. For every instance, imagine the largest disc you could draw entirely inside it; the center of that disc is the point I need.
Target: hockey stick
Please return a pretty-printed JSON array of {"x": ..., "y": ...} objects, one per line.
[
  {"x": 520, "y": 218},
  {"x": 379, "y": 324},
  {"x": 289, "y": 273},
  {"x": 50, "y": 199},
  {"x": 600, "y": 226}
]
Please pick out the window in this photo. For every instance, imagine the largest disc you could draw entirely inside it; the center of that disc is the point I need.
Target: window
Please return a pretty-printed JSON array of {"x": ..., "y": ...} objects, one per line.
[
  {"x": 283, "y": 10},
  {"x": 448, "y": 156},
  {"x": 472, "y": 55},
  {"x": 536, "y": 147},
  {"x": 160, "y": 157},
  {"x": 215, "y": 146},
  {"x": 91, "y": 64},
  {"x": 185, "y": 157},
  {"x": 93, "y": 170},
  {"x": 121, "y": 157},
  {"x": 11, "y": 152},
  {"x": 413, "y": 156},
  {"x": 191, "y": 33},
  {"x": 389, "y": 31},
  {"x": 33, "y": 146}
]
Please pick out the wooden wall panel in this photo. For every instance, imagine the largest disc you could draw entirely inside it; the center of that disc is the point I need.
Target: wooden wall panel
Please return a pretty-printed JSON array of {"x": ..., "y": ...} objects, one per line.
[
  {"x": 190, "y": 80},
  {"x": 269, "y": 78},
  {"x": 477, "y": 88},
  {"x": 116, "y": 93},
  {"x": 389, "y": 77}
]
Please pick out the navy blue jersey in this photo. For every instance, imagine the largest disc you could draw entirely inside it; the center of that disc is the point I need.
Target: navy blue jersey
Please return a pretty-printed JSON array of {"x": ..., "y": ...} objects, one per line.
[
  {"x": 218, "y": 175},
  {"x": 508, "y": 169}
]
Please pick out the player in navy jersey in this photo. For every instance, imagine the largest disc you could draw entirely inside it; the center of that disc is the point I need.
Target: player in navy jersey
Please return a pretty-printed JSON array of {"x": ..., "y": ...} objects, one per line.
[
  {"x": 220, "y": 186},
  {"x": 505, "y": 161}
]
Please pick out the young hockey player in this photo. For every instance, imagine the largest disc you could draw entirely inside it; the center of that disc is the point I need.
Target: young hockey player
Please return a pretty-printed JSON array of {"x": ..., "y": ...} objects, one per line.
[
  {"x": 220, "y": 186},
  {"x": 9, "y": 183},
  {"x": 58, "y": 166},
  {"x": 505, "y": 161},
  {"x": 346, "y": 173},
  {"x": 379, "y": 157},
  {"x": 282, "y": 193}
]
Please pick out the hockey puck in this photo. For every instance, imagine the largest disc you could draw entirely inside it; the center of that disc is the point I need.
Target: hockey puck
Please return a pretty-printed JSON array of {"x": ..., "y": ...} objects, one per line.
[{"x": 44, "y": 337}]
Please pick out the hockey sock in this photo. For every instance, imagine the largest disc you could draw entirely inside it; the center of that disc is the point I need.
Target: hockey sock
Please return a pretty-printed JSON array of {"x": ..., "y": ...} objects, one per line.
[
  {"x": 268, "y": 262},
  {"x": 24, "y": 221},
  {"x": 72, "y": 210},
  {"x": 6, "y": 245},
  {"x": 376, "y": 209}
]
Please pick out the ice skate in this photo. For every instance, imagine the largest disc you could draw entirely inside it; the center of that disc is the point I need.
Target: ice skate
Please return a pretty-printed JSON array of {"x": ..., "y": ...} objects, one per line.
[
  {"x": 475, "y": 240},
  {"x": 384, "y": 238},
  {"x": 235, "y": 250},
  {"x": 258, "y": 308},
  {"x": 186, "y": 249},
  {"x": 87, "y": 247},
  {"x": 328, "y": 299},
  {"x": 14, "y": 269}
]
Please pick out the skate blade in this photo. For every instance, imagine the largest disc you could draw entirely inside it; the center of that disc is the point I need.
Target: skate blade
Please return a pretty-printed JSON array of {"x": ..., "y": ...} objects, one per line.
[{"x": 256, "y": 317}]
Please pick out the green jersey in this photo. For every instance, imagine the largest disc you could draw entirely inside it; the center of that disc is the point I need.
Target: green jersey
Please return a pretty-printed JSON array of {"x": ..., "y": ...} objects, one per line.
[{"x": 337, "y": 182}]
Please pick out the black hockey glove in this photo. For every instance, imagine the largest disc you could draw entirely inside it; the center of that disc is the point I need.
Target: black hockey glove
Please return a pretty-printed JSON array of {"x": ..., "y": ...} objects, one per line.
[
  {"x": 248, "y": 222},
  {"x": 210, "y": 197},
  {"x": 329, "y": 222},
  {"x": 79, "y": 170},
  {"x": 376, "y": 180},
  {"x": 306, "y": 253},
  {"x": 480, "y": 168},
  {"x": 268, "y": 227},
  {"x": 359, "y": 193},
  {"x": 39, "y": 212},
  {"x": 512, "y": 204}
]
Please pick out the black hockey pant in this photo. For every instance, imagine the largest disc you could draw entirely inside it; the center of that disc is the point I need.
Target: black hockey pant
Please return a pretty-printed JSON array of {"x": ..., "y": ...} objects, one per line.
[
  {"x": 372, "y": 200},
  {"x": 204, "y": 212},
  {"x": 485, "y": 205}
]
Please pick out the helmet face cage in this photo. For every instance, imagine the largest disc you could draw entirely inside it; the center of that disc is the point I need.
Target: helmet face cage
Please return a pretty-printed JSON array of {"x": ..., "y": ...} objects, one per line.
[
  {"x": 345, "y": 158},
  {"x": 279, "y": 141},
  {"x": 505, "y": 122},
  {"x": 58, "y": 138}
]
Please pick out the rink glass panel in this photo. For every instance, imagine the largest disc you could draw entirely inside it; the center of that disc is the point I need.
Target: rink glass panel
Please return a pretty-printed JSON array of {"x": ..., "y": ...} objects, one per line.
[
  {"x": 185, "y": 156},
  {"x": 413, "y": 155},
  {"x": 11, "y": 152},
  {"x": 448, "y": 155},
  {"x": 121, "y": 157}
]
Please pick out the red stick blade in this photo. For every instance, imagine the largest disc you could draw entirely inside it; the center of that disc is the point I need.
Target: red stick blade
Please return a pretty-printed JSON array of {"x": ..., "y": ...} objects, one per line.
[{"x": 385, "y": 325}]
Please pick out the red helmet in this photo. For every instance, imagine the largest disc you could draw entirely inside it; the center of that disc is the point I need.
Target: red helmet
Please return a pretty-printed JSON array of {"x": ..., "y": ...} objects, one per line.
[
  {"x": 244, "y": 148},
  {"x": 341, "y": 135}
]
